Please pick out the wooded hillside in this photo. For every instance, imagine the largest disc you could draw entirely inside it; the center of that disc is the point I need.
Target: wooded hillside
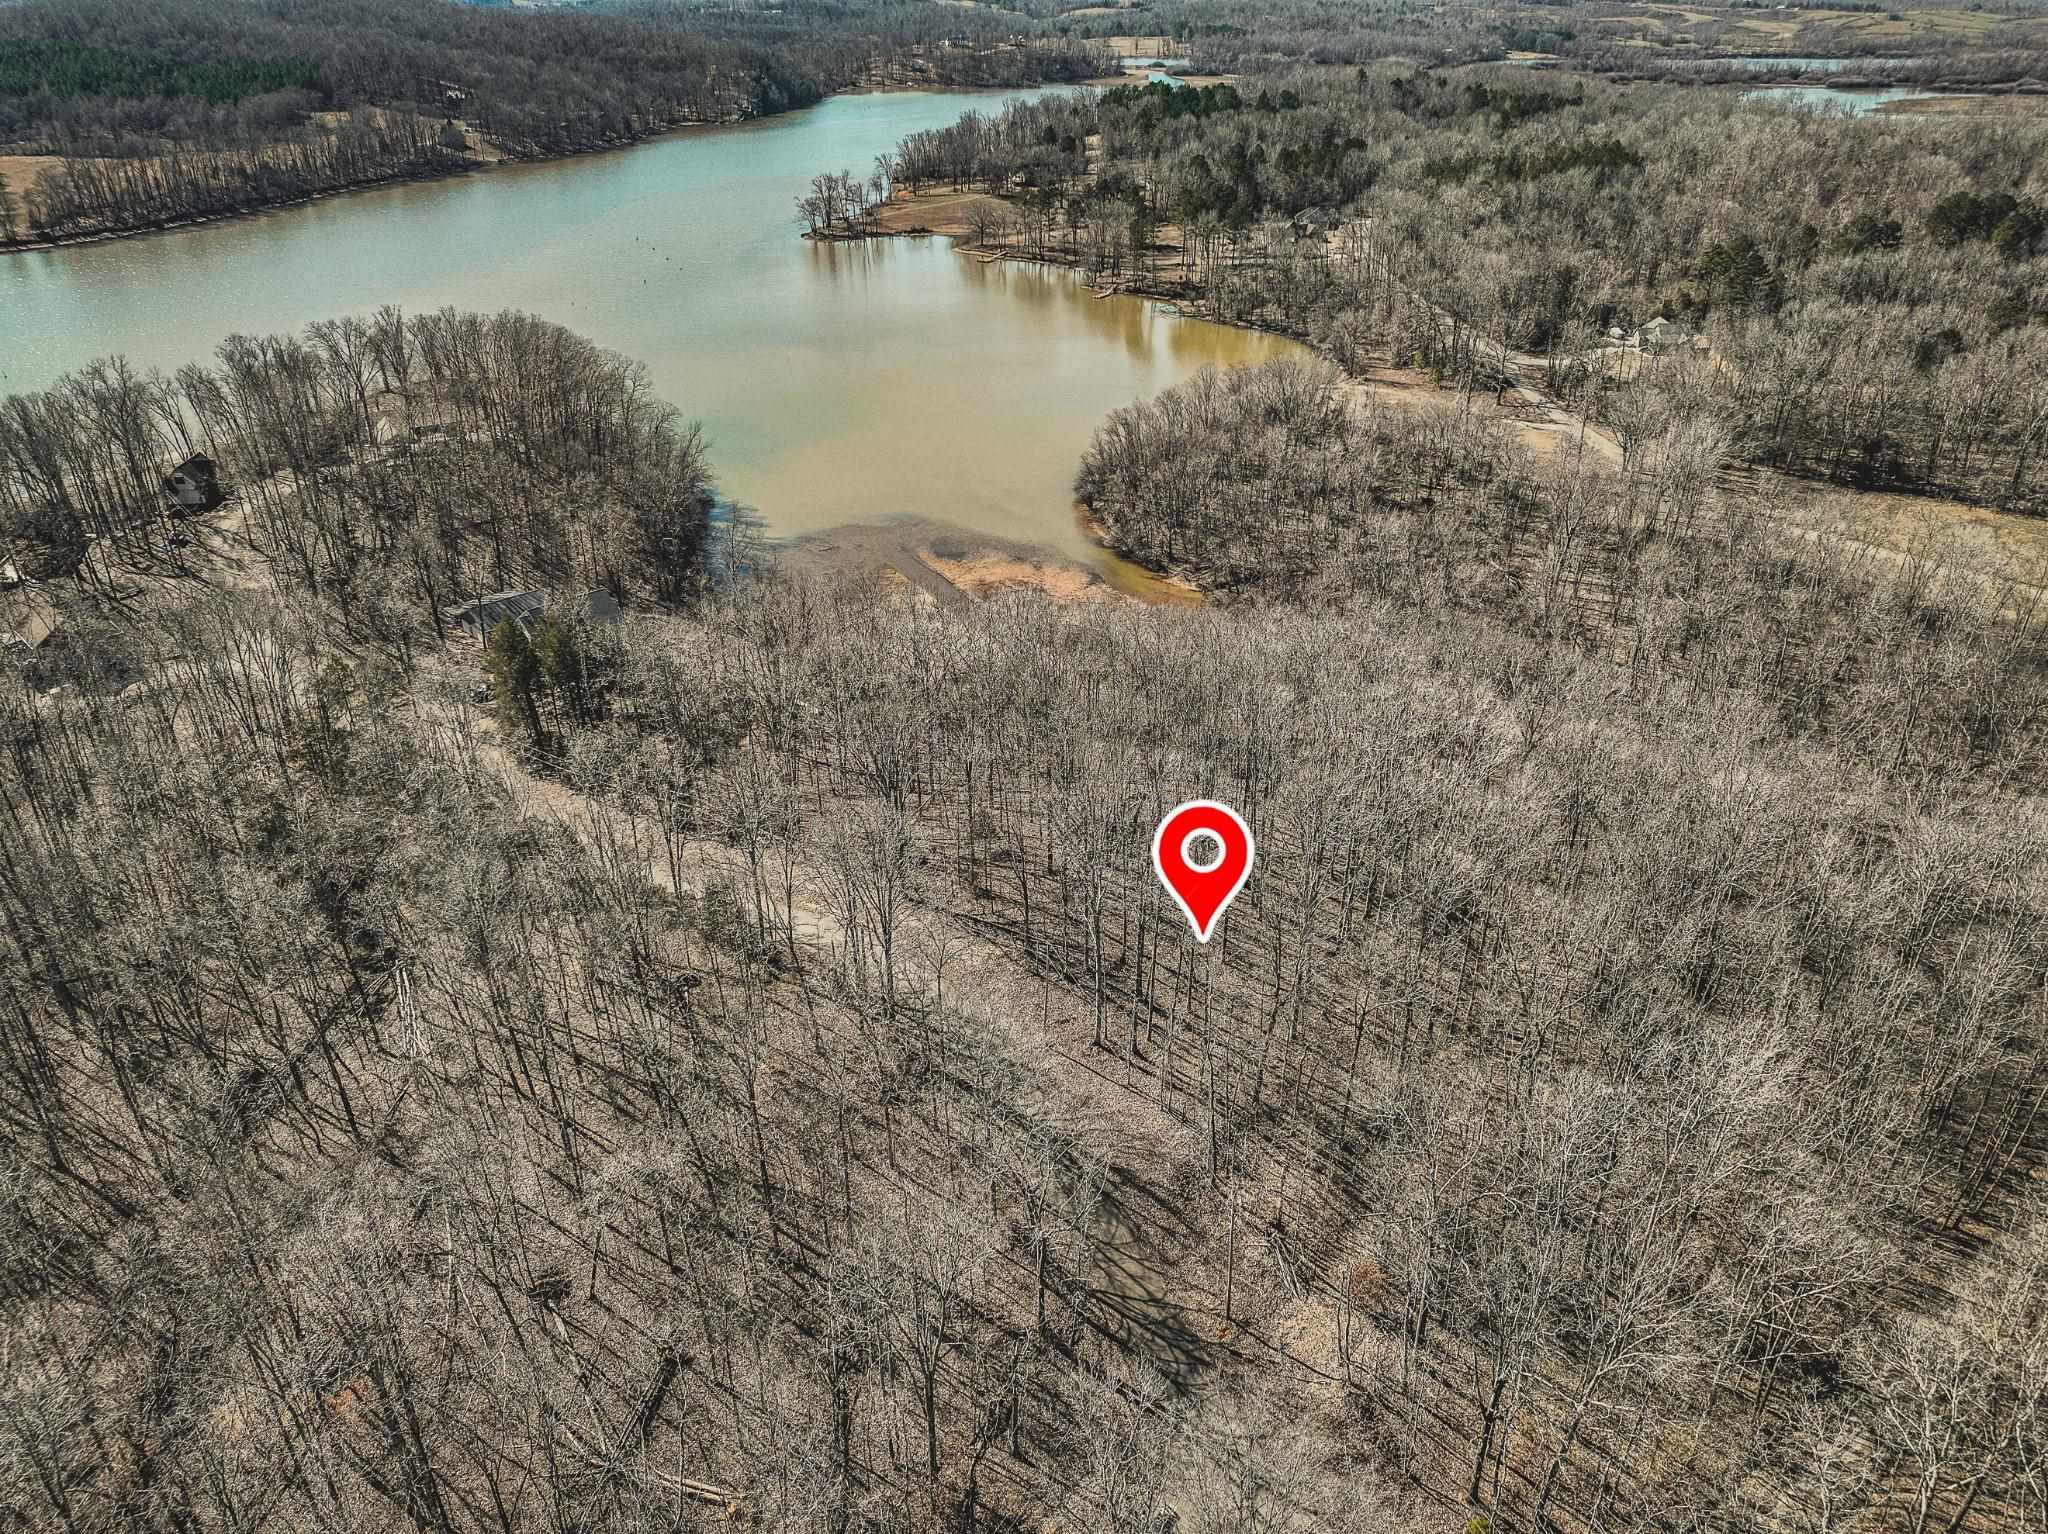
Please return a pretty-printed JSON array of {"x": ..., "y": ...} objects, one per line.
[
  {"x": 1867, "y": 288},
  {"x": 187, "y": 109},
  {"x": 775, "y": 1089}
]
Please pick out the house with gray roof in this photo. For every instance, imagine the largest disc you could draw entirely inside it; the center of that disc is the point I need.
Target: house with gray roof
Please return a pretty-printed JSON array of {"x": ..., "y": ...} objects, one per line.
[{"x": 526, "y": 608}]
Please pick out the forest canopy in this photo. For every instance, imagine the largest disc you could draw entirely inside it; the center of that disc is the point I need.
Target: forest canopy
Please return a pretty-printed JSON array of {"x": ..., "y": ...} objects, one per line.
[
  {"x": 103, "y": 71},
  {"x": 745, "y": 1067},
  {"x": 523, "y": 1011},
  {"x": 99, "y": 71},
  {"x": 1868, "y": 289}
]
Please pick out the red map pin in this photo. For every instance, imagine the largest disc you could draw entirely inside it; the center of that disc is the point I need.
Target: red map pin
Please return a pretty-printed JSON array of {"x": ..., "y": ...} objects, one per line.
[{"x": 1203, "y": 892}]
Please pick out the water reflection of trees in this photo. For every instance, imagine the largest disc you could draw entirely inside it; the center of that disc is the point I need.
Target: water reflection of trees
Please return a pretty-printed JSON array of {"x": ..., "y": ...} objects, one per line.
[
  {"x": 840, "y": 260},
  {"x": 1134, "y": 323},
  {"x": 1125, "y": 321}
]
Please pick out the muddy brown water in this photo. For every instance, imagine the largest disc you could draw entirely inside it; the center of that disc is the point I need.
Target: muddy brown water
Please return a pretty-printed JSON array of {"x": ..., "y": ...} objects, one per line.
[{"x": 839, "y": 384}]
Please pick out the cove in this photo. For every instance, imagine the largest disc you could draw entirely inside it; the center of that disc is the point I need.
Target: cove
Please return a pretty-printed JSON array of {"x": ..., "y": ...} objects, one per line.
[{"x": 838, "y": 383}]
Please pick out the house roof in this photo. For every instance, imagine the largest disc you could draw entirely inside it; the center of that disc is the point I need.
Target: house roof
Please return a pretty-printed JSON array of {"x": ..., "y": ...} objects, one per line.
[
  {"x": 523, "y": 607},
  {"x": 27, "y": 616},
  {"x": 488, "y": 612}
]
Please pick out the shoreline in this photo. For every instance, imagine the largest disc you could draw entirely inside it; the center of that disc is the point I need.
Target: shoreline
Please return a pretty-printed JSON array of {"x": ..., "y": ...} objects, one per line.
[
  {"x": 1836, "y": 80},
  {"x": 2017, "y": 90},
  {"x": 460, "y": 168},
  {"x": 959, "y": 232},
  {"x": 195, "y": 220},
  {"x": 1151, "y": 290},
  {"x": 927, "y": 558},
  {"x": 1155, "y": 585},
  {"x": 472, "y": 166}
]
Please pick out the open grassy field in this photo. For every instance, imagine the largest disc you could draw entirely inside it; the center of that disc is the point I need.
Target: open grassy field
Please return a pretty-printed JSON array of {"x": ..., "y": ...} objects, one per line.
[
  {"x": 20, "y": 172},
  {"x": 1976, "y": 104}
]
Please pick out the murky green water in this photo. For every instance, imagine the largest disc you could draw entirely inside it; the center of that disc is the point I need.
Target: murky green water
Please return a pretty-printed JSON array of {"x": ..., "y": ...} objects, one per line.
[
  {"x": 838, "y": 383},
  {"x": 1856, "y": 102}
]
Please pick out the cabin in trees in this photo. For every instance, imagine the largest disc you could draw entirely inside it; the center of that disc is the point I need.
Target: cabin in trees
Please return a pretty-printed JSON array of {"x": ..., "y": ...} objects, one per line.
[
  {"x": 1316, "y": 224},
  {"x": 1661, "y": 335},
  {"x": 27, "y": 618},
  {"x": 194, "y": 485},
  {"x": 525, "y": 608}
]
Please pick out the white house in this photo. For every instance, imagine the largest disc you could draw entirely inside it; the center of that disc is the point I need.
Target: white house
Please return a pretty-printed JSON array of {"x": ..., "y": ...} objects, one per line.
[{"x": 194, "y": 485}]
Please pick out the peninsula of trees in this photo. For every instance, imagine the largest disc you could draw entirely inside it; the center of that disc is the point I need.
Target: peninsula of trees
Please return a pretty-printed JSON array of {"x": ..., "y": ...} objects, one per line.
[{"x": 1868, "y": 290}]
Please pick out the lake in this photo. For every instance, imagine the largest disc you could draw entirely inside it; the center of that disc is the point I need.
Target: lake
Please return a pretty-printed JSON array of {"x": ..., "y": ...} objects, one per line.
[
  {"x": 1856, "y": 101},
  {"x": 838, "y": 383}
]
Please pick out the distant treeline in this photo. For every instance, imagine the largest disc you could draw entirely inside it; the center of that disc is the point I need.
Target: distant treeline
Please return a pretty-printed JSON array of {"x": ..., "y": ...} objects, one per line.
[
  {"x": 1992, "y": 42},
  {"x": 1255, "y": 34},
  {"x": 62, "y": 68},
  {"x": 111, "y": 77}
]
